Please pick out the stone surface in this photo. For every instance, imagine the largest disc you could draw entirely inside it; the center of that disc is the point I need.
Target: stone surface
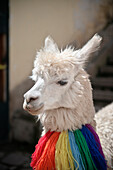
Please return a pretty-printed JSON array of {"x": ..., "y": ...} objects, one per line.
[
  {"x": 15, "y": 159},
  {"x": 15, "y": 155},
  {"x": 3, "y": 167},
  {"x": 23, "y": 130},
  {"x": 26, "y": 168},
  {"x": 12, "y": 168},
  {"x": 27, "y": 161},
  {"x": 2, "y": 154}
]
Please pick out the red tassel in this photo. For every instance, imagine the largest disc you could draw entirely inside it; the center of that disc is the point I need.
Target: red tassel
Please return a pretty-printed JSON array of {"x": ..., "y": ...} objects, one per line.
[
  {"x": 47, "y": 159},
  {"x": 39, "y": 149}
]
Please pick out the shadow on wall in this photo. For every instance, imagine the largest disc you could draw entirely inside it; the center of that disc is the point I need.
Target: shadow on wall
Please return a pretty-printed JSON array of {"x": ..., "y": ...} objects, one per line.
[
  {"x": 24, "y": 127},
  {"x": 16, "y": 95},
  {"x": 101, "y": 70}
]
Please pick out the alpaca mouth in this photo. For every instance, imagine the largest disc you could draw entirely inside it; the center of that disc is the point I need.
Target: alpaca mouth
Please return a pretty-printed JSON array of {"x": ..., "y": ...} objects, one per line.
[{"x": 36, "y": 111}]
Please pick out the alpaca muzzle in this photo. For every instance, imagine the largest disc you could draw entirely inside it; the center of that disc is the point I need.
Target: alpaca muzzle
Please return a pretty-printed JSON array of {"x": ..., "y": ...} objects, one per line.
[{"x": 32, "y": 102}]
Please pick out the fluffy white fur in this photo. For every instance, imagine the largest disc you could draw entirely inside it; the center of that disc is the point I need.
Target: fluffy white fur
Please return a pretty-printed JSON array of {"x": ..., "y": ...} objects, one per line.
[
  {"x": 62, "y": 107},
  {"x": 104, "y": 128}
]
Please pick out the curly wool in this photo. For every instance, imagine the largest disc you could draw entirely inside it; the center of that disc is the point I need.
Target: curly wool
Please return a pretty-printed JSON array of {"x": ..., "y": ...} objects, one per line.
[{"x": 104, "y": 128}]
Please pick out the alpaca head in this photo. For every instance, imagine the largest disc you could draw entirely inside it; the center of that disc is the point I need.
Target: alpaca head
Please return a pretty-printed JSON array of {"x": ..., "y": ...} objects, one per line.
[{"x": 60, "y": 80}]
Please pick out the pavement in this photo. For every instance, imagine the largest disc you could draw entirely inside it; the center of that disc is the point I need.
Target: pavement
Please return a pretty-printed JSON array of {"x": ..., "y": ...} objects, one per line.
[{"x": 15, "y": 156}]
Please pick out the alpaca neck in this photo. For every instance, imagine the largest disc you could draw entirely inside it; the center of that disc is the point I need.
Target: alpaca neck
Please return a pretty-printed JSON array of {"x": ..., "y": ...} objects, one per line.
[{"x": 64, "y": 119}]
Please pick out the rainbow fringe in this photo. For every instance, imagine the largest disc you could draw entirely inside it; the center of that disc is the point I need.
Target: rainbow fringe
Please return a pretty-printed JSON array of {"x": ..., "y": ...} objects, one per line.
[{"x": 79, "y": 149}]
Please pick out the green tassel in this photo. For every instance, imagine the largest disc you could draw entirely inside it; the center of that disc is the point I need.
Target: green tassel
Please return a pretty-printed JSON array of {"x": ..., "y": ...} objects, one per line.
[{"x": 84, "y": 150}]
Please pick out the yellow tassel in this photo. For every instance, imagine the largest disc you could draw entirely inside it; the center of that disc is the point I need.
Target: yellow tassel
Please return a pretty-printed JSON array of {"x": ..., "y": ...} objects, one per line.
[{"x": 61, "y": 155}]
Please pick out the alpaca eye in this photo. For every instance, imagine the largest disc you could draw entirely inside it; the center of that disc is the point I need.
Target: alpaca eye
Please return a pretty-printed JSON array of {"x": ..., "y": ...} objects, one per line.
[{"x": 62, "y": 82}]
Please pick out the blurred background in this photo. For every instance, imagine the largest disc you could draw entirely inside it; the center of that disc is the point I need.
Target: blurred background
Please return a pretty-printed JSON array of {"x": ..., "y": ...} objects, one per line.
[{"x": 24, "y": 24}]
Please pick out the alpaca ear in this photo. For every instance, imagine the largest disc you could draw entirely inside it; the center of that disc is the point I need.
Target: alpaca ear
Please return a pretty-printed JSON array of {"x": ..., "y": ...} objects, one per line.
[
  {"x": 50, "y": 45},
  {"x": 91, "y": 46}
]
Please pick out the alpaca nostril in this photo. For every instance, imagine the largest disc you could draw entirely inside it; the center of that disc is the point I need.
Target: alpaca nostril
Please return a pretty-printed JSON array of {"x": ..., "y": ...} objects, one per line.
[{"x": 32, "y": 99}]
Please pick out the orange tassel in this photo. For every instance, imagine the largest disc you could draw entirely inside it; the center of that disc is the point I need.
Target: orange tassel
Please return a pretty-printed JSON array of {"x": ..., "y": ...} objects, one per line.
[
  {"x": 47, "y": 160},
  {"x": 39, "y": 149}
]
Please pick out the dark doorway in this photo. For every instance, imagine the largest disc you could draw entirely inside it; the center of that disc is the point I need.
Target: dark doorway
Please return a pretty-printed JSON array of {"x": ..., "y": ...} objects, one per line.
[{"x": 4, "y": 70}]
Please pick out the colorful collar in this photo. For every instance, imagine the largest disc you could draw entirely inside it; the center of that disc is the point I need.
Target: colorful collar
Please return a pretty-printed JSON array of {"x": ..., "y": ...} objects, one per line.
[{"x": 79, "y": 149}]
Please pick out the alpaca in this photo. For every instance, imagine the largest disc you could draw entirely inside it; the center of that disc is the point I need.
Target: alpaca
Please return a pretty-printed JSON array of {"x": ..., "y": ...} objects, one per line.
[{"x": 62, "y": 99}]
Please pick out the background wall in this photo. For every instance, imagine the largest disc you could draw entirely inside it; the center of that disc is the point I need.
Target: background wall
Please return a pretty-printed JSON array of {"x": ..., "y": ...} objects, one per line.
[{"x": 66, "y": 21}]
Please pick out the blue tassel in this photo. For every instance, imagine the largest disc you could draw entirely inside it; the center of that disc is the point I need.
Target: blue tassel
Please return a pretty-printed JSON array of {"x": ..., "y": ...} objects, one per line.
[
  {"x": 75, "y": 151},
  {"x": 96, "y": 155}
]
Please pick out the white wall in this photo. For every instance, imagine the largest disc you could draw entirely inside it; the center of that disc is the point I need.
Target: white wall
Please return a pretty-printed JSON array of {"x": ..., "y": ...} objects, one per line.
[{"x": 65, "y": 20}]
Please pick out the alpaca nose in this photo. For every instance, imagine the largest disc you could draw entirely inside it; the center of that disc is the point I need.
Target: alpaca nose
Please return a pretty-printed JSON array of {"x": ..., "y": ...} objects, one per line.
[{"x": 31, "y": 99}]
